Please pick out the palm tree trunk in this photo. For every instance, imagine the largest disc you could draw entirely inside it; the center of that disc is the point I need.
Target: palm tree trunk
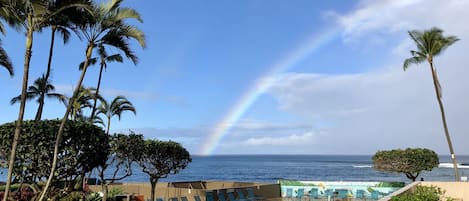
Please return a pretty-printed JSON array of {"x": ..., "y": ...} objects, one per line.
[
  {"x": 108, "y": 125},
  {"x": 46, "y": 77},
  {"x": 97, "y": 92},
  {"x": 89, "y": 51},
  {"x": 443, "y": 118},
  {"x": 40, "y": 107},
  {"x": 19, "y": 122}
]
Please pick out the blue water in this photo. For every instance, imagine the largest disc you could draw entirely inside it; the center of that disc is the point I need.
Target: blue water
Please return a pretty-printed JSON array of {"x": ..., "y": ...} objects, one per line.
[{"x": 270, "y": 168}]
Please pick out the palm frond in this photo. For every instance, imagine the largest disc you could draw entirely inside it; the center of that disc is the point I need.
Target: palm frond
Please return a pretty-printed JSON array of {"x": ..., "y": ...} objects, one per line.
[
  {"x": 127, "y": 13},
  {"x": 5, "y": 61},
  {"x": 115, "y": 39},
  {"x": 64, "y": 33},
  {"x": 115, "y": 58},
  {"x": 91, "y": 62},
  {"x": 413, "y": 60}
]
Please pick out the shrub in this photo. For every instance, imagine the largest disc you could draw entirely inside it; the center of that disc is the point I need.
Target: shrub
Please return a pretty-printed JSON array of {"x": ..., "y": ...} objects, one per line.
[{"x": 422, "y": 193}]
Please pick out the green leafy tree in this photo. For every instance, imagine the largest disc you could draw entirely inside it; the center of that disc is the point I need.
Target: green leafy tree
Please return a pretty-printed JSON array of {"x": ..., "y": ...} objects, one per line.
[
  {"x": 124, "y": 151},
  {"x": 83, "y": 148},
  {"x": 29, "y": 15},
  {"x": 40, "y": 89},
  {"x": 162, "y": 158},
  {"x": 107, "y": 26},
  {"x": 408, "y": 161},
  {"x": 431, "y": 43},
  {"x": 119, "y": 105}
]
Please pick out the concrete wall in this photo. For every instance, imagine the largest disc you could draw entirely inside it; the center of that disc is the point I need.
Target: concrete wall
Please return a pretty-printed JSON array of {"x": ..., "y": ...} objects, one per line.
[{"x": 168, "y": 190}]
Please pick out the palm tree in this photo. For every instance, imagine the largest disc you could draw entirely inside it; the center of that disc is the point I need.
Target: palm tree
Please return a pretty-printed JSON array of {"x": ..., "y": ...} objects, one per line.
[
  {"x": 118, "y": 105},
  {"x": 82, "y": 102},
  {"x": 30, "y": 15},
  {"x": 431, "y": 43},
  {"x": 106, "y": 27},
  {"x": 62, "y": 23},
  {"x": 40, "y": 89},
  {"x": 104, "y": 59}
]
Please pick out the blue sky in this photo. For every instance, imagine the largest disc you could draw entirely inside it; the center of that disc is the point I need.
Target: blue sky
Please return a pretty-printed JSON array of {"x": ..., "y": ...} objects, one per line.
[{"x": 203, "y": 56}]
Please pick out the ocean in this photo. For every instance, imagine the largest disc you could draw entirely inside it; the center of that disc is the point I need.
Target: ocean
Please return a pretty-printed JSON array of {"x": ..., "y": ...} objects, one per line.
[{"x": 271, "y": 168}]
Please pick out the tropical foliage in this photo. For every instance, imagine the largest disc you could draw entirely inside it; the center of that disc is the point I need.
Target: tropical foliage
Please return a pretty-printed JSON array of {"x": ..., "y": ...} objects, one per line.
[
  {"x": 162, "y": 158},
  {"x": 119, "y": 105},
  {"x": 30, "y": 16},
  {"x": 431, "y": 43},
  {"x": 83, "y": 149},
  {"x": 408, "y": 161},
  {"x": 420, "y": 193},
  {"x": 123, "y": 152},
  {"x": 106, "y": 25},
  {"x": 40, "y": 89}
]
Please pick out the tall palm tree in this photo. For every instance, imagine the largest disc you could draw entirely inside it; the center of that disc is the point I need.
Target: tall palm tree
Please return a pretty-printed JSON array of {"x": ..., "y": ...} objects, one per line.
[
  {"x": 119, "y": 105},
  {"x": 62, "y": 23},
  {"x": 104, "y": 59},
  {"x": 29, "y": 15},
  {"x": 40, "y": 89},
  {"x": 106, "y": 26},
  {"x": 431, "y": 43}
]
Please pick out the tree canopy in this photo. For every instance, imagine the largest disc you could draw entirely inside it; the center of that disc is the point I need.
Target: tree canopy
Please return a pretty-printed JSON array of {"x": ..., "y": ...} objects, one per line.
[
  {"x": 162, "y": 158},
  {"x": 124, "y": 151},
  {"x": 83, "y": 148},
  {"x": 410, "y": 161}
]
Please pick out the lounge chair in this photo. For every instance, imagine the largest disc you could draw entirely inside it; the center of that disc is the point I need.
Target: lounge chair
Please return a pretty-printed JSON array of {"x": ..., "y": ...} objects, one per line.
[
  {"x": 209, "y": 196},
  {"x": 289, "y": 193},
  {"x": 360, "y": 194},
  {"x": 328, "y": 194},
  {"x": 232, "y": 197},
  {"x": 375, "y": 195},
  {"x": 221, "y": 196},
  {"x": 196, "y": 198},
  {"x": 251, "y": 195},
  {"x": 300, "y": 193},
  {"x": 313, "y": 194},
  {"x": 342, "y": 193},
  {"x": 241, "y": 196}
]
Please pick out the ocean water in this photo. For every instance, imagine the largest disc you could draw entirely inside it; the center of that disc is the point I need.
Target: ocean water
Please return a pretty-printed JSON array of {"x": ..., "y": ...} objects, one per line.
[{"x": 270, "y": 168}]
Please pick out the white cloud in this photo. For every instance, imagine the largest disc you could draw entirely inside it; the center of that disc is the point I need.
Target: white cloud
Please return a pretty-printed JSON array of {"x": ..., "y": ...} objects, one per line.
[
  {"x": 379, "y": 110},
  {"x": 387, "y": 108},
  {"x": 306, "y": 138},
  {"x": 392, "y": 16}
]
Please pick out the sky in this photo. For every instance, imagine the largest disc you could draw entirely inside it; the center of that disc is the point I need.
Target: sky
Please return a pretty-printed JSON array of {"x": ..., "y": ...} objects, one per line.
[{"x": 273, "y": 77}]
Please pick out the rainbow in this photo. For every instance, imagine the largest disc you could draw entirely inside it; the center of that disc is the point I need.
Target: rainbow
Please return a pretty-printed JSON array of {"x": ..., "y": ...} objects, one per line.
[{"x": 261, "y": 85}]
